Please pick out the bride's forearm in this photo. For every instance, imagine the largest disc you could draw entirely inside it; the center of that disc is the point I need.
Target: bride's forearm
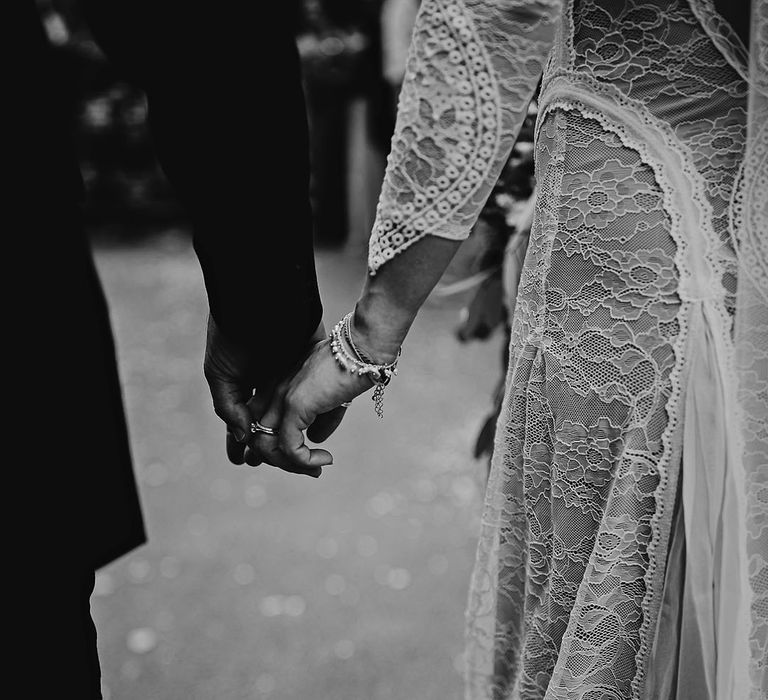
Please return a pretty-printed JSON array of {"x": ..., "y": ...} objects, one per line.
[{"x": 392, "y": 298}]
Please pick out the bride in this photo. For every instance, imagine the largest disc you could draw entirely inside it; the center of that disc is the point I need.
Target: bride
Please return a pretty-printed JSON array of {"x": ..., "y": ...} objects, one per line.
[{"x": 623, "y": 548}]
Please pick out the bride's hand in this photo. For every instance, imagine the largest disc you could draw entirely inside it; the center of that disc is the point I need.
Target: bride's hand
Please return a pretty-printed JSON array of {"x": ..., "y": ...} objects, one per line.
[{"x": 312, "y": 401}]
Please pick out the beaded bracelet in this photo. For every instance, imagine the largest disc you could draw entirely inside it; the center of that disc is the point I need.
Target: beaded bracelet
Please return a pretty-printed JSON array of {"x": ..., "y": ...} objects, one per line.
[{"x": 352, "y": 360}]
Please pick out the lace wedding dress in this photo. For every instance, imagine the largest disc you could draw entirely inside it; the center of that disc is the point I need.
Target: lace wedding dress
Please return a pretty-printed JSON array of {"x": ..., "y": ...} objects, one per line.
[{"x": 623, "y": 546}]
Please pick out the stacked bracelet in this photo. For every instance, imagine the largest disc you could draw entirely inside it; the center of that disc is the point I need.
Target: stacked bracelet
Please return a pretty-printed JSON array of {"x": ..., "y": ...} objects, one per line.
[{"x": 352, "y": 360}]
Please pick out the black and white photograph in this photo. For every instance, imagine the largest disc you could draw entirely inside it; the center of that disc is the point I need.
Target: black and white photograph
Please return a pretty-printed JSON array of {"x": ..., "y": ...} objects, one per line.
[{"x": 389, "y": 350}]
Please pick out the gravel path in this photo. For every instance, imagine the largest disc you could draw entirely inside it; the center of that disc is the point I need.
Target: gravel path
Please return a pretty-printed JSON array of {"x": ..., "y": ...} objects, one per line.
[{"x": 257, "y": 584}]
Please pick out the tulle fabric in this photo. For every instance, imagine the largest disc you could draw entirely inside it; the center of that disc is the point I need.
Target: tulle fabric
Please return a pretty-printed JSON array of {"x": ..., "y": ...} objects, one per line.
[{"x": 702, "y": 637}]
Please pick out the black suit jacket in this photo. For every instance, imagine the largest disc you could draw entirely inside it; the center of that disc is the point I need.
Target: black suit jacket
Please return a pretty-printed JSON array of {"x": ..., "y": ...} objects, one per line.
[
  {"x": 228, "y": 123},
  {"x": 228, "y": 119}
]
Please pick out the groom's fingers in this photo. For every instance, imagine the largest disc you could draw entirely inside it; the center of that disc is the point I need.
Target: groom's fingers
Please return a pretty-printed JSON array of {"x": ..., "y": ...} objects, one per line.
[
  {"x": 235, "y": 449},
  {"x": 240, "y": 452},
  {"x": 266, "y": 410},
  {"x": 257, "y": 406},
  {"x": 229, "y": 404}
]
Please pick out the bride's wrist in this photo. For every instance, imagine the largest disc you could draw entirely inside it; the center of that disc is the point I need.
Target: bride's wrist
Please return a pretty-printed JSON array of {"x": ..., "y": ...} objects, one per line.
[{"x": 379, "y": 336}]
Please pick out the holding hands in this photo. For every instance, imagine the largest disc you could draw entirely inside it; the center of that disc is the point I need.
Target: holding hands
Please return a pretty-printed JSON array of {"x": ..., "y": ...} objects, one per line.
[
  {"x": 267, "y": 423},
  {"x": 313, "y": 400}
]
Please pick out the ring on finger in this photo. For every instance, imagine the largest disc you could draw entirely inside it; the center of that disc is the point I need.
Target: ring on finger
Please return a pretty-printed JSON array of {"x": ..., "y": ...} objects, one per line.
[{"x": 257, "y": 427}]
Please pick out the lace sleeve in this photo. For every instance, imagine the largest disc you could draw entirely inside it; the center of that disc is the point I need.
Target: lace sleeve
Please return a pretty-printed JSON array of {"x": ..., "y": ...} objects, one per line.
[{"x": 473, "y": 66}]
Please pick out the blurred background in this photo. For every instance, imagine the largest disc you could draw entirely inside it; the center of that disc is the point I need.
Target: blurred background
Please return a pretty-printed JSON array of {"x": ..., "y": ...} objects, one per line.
[{"x": 256, "y": 584}]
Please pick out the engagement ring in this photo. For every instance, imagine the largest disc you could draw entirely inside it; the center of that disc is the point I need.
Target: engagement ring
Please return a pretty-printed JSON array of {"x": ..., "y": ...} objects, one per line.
[{"x": 259, "y": 428}]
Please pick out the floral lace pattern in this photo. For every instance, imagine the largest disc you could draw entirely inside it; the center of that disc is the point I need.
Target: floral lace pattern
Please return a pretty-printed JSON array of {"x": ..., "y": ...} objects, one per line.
[
  {"x": 582, "y": 439},
  {"x": 641, "y": 224},
  {"x": 453, "y": 136}
]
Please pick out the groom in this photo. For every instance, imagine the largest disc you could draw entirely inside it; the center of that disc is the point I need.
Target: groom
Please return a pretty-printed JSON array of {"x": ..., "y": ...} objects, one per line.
[{"x": 227, "y": 116}]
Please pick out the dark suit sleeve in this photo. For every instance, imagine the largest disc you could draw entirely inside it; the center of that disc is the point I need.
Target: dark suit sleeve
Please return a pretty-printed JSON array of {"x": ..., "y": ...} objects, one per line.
[{"x": 228, "y": 120}]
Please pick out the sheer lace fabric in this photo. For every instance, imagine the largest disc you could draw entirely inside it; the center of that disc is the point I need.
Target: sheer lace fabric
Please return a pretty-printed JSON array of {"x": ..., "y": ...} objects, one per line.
[
  {"x": 638, "y": 382},
  {"x": 471, "y": 72}
]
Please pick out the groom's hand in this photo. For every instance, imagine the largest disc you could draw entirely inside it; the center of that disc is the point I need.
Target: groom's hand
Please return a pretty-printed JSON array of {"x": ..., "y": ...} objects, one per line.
[{"x": 227, "y": 370}]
